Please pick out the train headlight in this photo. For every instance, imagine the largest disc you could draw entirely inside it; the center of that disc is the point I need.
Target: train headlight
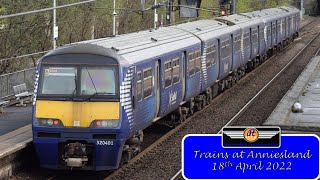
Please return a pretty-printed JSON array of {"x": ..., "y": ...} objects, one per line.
[
  {"x": 105, "y": 123},
  {"x": 48, "y": 122}
]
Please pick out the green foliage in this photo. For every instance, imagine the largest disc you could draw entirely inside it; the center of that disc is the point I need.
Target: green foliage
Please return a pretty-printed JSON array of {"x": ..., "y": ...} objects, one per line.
[{"x": 33, "y": 33}]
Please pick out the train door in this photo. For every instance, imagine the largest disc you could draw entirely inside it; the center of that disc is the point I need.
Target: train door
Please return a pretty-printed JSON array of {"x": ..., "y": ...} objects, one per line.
[
  {"x": 218, "y": 59},
  {"x": 258, "y": 37},
  {"x": 157, "y": 86},
  {"x": 232, "y": 53},
  {"x": 272, "y": 35},
  {"x": 277, "y": 32},
  {"x": 251, "y": 45},
  {"x": 133, "y": 88},
  {"x": 183, "y": 64}
]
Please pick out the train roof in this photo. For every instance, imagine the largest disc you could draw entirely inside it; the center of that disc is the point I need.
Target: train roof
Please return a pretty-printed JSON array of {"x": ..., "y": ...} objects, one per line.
[
  {"x": 204, "y": 28},
  {"x": 272, "y": 12},
  {"x": 139, "y": 46},
  {"x": 241, "y": 20},
  {"x": 135, "y": 47},
  {"x": 266, "y": 15},
  {"x": 290, "y": 9}
]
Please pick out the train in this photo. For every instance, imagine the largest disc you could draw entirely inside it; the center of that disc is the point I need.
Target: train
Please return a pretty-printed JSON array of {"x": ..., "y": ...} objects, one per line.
[{"x": 93, "y": 99}]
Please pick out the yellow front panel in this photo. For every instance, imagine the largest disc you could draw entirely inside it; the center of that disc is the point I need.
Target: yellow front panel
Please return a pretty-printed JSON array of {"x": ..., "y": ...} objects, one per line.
[{"x": 77, "y": 114}]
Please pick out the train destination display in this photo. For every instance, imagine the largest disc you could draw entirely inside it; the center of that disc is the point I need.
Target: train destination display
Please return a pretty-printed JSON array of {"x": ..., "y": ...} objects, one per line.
[{"x": 207, "y": 157}]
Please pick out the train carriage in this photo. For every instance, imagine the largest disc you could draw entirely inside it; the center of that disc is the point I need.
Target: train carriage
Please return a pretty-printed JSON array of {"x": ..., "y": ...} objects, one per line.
[
  {"x": 148, "y": 73},
  {"x": 295, "y": 14},
  {"x": 93, "y": 99},
  {"x": 217, "y": 39},
  {"x": 250, "y": 28}
]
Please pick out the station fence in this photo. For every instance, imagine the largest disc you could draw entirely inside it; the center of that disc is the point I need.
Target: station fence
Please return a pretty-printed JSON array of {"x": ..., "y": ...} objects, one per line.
[{"x": 7, "y": 81}]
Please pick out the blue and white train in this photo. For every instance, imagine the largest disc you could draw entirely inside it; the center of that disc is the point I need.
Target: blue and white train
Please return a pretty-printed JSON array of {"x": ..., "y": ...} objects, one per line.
[{"x": 94, "y": 98}]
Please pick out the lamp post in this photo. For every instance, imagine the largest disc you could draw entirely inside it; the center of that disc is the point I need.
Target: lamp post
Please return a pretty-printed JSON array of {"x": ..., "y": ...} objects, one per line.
[
  {"x": 54, "y": 28},
  {"x": 114, "y": 14},
  {"x": 155, "y": 15},
  {"x": 264, "y": 2},
  {"x": 233, "y": 6},
  {"x": 301, "y": 10}
]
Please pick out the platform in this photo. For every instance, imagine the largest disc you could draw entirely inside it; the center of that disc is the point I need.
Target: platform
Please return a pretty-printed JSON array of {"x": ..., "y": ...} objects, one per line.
[
  {"x": 14, "y": 118},
  {"x": 306, "y": 91},
  {"x": 15, "y": 136}
]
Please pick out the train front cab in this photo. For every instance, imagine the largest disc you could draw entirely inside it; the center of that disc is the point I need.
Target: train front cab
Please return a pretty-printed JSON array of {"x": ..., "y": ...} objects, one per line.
[{"x": 77, "y": 122}]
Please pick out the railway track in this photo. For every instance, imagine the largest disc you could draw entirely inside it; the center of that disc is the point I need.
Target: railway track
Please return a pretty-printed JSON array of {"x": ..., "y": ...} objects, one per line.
[{"x": 157, "y": 139}]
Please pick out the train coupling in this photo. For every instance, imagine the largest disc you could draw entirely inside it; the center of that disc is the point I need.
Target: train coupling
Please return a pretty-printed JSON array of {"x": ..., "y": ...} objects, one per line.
[
  {"x": 76, "y": 162},
  {"x": 75, "y": 155}
]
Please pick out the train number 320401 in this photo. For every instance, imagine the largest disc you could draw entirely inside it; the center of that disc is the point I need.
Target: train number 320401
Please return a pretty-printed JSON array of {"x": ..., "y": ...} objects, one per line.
[{"x": 105, "y": 143}]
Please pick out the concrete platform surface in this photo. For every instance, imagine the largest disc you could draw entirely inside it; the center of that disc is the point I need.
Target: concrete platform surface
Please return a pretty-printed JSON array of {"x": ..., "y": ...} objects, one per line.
[
  {"x": 14, "y": 118},
  {"x": 306, "y": 90},
  {"x": 15, "y": 140},
  {"x": 15, "y": 148}
]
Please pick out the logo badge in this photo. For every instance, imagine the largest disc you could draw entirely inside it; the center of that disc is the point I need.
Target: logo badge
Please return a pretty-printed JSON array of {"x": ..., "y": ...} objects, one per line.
[
  {"x": 251, "y": 135},
  {"x": 172, "y": 98}
]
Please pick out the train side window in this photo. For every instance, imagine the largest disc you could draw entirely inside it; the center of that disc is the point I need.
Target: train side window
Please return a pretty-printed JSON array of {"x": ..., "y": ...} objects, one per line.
[
  {"x": 191, "y": 68},
  {"x": 237, "y": 43},
  {"x": 214, "y": 54},
  {"x": 176, "y": 71},
  {"x": 246, "y": 40},
  {"x": 229, "y": 49},
  {"x": 254, "y": 36},
  {"x": 273, "y": 28},
  {"x": 167, "y": 74},
  {"x": 268, "y": 31},
  {"x": 209, "y": 56},
  {"x": 197, "y": 62},
  {"x": 261, "y": 34},
  {"x": 147, "y": 83},
  {"x": 139, "y": 86},
  {"x": 225, "y": 49}
]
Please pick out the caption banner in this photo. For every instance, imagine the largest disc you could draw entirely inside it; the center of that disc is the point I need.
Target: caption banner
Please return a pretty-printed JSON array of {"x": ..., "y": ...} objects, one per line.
[{"x": 234, "y": 156}]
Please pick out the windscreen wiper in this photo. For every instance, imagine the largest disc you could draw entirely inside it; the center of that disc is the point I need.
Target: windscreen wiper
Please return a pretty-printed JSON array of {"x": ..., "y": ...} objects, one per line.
[
  {"x": 75, "y": 87},
  {"x": 98, "y": 93}
]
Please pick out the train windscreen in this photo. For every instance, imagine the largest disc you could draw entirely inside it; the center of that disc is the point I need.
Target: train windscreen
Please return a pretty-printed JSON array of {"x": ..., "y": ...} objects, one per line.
[
  {"x": 59, "y": 80},
  {"x": 97, "y": 80},
  {"x": 81, "y": 82}
]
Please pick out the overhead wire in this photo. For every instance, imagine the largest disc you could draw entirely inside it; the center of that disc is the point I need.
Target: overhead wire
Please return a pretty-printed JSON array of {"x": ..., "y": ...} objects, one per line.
[{"x": 45, "y": 9}]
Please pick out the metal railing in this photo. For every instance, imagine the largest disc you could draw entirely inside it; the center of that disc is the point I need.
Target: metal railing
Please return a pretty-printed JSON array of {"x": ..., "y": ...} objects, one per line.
[{"x": 7, "y": 81}]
